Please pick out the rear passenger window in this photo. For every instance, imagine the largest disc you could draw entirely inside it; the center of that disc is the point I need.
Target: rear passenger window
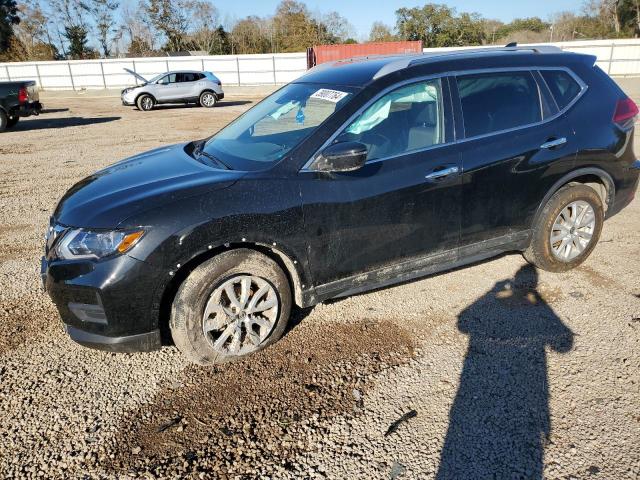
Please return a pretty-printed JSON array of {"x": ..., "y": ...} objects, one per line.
[
  {"x": 563, "y": 86},
  {"x": 498, "y": 101},
  {"x": 404, "y": 120}
]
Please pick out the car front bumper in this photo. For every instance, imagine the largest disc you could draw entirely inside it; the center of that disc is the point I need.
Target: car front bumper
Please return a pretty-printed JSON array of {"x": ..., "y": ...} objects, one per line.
[
  {"x": 128, "y": 98},
  {"x": 106, "y": 305}
]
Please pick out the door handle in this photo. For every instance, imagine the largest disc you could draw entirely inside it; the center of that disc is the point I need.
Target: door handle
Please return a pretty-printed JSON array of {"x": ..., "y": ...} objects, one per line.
[
  {"x": 554, "y": 143},
  {"x": 440, "y": 174}
]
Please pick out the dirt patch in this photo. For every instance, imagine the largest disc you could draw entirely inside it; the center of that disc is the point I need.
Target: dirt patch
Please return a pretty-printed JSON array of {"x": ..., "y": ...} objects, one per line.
[
  {"x": 256, "y": 413},
  {"x": 21, "y": 321},
  {"x": 16, "y": 149},
  {"x": 596, "y": 278}
]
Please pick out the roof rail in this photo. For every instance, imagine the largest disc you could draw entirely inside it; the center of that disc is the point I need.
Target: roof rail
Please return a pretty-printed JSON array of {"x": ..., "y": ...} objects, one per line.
[{"x": 426, "y": 57}]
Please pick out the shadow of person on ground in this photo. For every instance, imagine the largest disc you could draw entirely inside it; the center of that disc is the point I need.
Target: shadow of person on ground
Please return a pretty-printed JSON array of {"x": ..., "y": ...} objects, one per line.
[
  {"x": 40, "y": 123},
  {"x": 499, "y": 422}
]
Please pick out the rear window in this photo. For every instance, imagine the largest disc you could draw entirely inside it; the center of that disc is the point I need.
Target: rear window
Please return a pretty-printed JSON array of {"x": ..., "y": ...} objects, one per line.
[
  {"x": 492, "y": 102},
  {"x": 563, "y": 86}
]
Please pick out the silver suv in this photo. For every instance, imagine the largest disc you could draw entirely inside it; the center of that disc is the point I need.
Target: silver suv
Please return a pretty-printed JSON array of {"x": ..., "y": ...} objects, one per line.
[{"x": 186, "y": 86}]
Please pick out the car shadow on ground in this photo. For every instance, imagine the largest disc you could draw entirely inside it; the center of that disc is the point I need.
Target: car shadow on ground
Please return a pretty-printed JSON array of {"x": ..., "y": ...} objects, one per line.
[
  {"x": 62, "y": 122},
  {"x": 222, "y": 103},
  {"x": 499, "y": 422},
  {"x": 53, "y": 110}
]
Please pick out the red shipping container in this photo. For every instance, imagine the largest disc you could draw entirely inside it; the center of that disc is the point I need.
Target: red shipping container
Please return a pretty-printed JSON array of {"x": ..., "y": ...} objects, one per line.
[{"x": 330, "y": 53}]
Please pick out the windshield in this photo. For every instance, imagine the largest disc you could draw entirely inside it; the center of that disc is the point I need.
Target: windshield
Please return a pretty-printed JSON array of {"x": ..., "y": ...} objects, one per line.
[
  {"x": 267, "y": 132},
  {"x": 156, "y": 78}
]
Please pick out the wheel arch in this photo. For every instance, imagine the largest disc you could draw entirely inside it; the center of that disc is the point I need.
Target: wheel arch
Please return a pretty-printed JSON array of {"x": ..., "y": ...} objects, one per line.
[
  {"x": 594, "y": 177},
  {"x": 209, "y": 90},
  {"x": 169, "y": 290},
  {"x": 155, "y": 100}
]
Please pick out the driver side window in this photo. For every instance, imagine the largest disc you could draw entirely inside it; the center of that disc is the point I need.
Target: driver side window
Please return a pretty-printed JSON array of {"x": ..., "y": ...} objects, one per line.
[
  {"x": 406, "y": 119},
  {"x": 171, "y": 78}
]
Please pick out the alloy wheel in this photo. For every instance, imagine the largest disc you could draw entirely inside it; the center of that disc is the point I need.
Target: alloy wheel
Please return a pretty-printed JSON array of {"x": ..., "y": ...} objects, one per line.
[
  {"x": 208, "y": 99},
  {"x": 240, "y": 314},
  {"x": 572, "y": 230}
]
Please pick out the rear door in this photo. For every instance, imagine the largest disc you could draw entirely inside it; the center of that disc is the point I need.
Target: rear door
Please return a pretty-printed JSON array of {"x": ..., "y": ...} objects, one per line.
[
  {"x": 516, "y": 145},
  {"x": 186, "y": 86},
  {"x": 404, "y": 203}
]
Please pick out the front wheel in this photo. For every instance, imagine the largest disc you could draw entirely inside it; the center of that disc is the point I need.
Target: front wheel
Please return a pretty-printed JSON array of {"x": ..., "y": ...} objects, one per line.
[
  {"x": 231, "y": 306},
  {"x": 567, "y": 230},
  {"x": 145, "y": 103},
  {"x": 208, "y": 99}
]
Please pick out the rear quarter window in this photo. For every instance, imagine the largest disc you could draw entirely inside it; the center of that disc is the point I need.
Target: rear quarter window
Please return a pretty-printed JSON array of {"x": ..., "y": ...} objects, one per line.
[{"x": 563, "y": 86}]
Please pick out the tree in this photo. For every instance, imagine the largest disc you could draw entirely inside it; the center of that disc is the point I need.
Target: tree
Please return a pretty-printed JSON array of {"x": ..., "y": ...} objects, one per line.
[
  {"x": 31, "y": 39},
  {"x": 170, "y": 19},
  {"x": 71, "y": 15},
  {"x": 439, "y": 26},
  {"x": 295, "y": 29},
  {"x": 8, "y": 18},
  {"x": 338, "y": 28},
  {"x": 102, "y": 12},
  {"x": 138, "y": 28},
  {"x": 381, "y": 33},
  {"x": 77, "y": 37},
  {"x": 251, "y": 35}
]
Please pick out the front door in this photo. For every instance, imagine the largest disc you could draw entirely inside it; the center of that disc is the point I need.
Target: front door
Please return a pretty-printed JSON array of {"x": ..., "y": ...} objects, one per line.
[
  {"x": 166, "y": 89},
  {"x": 403, "y": 204}
]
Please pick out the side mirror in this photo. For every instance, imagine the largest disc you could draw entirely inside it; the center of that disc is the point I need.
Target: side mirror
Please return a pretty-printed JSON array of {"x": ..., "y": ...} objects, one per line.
[{"x": 341, "y": 157}]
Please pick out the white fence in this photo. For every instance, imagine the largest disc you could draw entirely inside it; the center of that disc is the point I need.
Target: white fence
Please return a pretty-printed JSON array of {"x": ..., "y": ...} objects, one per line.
[
  {"x": 616, "y": 57},
  {"x": 619, "y": 58},
  {"x": 109, "y": 73}
]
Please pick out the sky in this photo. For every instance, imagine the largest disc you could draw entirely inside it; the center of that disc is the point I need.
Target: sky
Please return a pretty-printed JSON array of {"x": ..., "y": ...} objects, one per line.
[{"x": 362, "y": 13}]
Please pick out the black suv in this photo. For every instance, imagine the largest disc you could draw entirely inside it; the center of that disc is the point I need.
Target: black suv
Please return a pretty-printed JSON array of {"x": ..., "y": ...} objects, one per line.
[{"x": 360, "y": 174}]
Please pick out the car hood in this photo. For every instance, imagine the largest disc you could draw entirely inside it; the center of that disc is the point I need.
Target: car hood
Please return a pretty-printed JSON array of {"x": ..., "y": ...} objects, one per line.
[
  {"x": 142, "y": 182},
  {"x": 138, "y": 76}
]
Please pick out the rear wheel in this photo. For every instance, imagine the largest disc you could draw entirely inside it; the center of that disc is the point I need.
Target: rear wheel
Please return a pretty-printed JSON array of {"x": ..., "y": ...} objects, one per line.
[
  {"x": 208, "y": 99},
  {"x": 567, "y": 229},
  {"x": 4, "y": 119},
  {"x": 231, "y": 306},
  {"x": 145, "y": 102},
  {"x": 12, "y": 121}
]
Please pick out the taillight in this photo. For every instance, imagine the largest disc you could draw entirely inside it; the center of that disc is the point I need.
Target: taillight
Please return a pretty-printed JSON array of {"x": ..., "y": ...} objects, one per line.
[
  {"x": 23, "y": 95},
  {"x": 626, "y": 109}
]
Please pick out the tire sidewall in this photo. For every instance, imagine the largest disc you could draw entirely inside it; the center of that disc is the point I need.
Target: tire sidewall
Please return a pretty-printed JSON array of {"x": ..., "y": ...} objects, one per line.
[
  {"x": 556, "y": 204},
  {"x": 193, "y": 295},
  {"x": 3, "y": 121}
]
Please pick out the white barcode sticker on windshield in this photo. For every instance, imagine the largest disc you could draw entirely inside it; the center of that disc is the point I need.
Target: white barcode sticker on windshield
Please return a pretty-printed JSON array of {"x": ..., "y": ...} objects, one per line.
[{"x": 331, "y": 95}]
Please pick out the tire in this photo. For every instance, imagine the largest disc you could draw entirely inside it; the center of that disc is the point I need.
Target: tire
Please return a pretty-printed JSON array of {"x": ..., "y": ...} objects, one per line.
[
  {"x": 3, "y": 121},
  {"x": 202, "y": 289},
  {"x": 208, "y": 99},
  {"x": 12, "y": 121},
  {"x": 550, "y": 256},
  {"x": 145, "y": 102}
]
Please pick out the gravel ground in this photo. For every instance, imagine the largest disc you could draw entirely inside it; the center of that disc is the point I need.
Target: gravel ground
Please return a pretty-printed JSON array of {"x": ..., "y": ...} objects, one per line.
[{"x": 498, "y": 371}]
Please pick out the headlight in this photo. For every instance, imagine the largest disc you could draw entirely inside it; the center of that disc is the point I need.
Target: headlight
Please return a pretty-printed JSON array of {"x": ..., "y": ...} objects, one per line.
[{"x": 96, "y": 244}]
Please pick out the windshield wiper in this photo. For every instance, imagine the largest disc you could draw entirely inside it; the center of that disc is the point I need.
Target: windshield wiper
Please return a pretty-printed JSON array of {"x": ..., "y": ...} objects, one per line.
[{"x": 199, "y": 152}]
